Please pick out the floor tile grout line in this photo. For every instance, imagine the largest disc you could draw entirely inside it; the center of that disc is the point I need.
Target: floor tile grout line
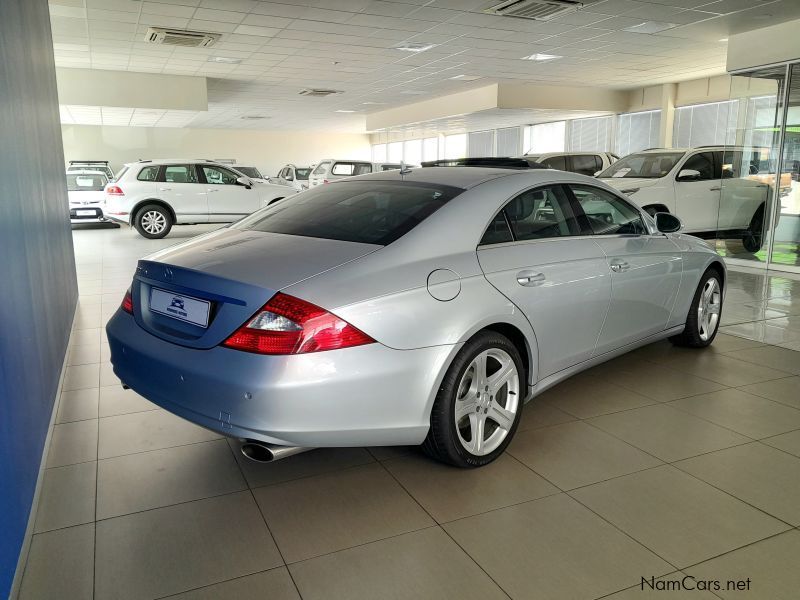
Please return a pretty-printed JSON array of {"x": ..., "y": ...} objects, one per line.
[
  {"x": 311, "y": 475},
  {"x": 202, "y": 587},
  {"x": 263, "y": 517},
  {"x": 439, "y": 525}
]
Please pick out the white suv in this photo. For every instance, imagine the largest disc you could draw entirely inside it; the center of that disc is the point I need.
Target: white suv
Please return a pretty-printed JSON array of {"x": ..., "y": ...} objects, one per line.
[
  {"x": 91, "y": 165},
  {"x": 330, "y": 169},
  {"x": 712, "y": 189},
  {"x": 86, "y": 198},
  {"x": 154, "y": 195},
  {"x": 294, "y": 176}
]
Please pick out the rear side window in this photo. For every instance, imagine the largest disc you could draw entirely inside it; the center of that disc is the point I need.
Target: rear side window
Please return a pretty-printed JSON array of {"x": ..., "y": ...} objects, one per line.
[
  {"x": 542, "y": 213},
  {"x": 148, "y": 173},
  {"x": 350, "y": 168},
  {"x": 498, "y": 231},
  {"x": 180, "y": 174},
  {"x": 390, "y": 167},
  {"x": 368, "y": 212}
]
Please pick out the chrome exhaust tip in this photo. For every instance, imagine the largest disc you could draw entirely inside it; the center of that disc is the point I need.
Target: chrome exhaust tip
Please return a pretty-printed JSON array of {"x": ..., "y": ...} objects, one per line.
[{"x": 263, "y": 453}]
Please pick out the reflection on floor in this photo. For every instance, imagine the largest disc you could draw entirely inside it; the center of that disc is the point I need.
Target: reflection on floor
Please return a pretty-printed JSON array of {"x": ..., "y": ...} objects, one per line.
[{"x": 661, "y": 463}]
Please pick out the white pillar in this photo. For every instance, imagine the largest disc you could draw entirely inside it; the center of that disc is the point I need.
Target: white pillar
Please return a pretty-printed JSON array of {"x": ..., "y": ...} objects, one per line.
[{"x": 669, "y": 92}]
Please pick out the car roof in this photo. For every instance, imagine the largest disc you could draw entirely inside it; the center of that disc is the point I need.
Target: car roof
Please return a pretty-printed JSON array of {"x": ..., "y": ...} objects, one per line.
[
  {"x": 182, "y": 161},
  {"x": 86, "y": 172},
  {"x": 460, "y": 177}
]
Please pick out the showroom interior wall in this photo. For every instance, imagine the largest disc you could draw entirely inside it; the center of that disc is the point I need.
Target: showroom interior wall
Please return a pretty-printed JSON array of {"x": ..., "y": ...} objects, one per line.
[
  {"x": 37, "y": 270},
  {"x": 268, "y": 150}
]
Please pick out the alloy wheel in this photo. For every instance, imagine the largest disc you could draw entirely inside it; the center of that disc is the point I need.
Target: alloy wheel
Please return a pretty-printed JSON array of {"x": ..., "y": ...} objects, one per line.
[
  {"x": 487, "y": 401},
  {"x": 708, "y": 309},
  {"x": 153, "y": 222}
]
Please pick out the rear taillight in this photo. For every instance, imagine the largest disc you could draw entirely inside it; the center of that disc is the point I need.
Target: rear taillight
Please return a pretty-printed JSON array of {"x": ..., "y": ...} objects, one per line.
[
  {"x": 127, "y": 303},
  {"x": 288, "y": 325},
  {"x": 114, "y": 190},
  {"x": 325, "y": 181}
]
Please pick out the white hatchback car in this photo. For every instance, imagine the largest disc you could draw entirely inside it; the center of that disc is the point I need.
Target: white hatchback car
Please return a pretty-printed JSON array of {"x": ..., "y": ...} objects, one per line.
[
  {"x": 154, "y": 195},
  {"x": 85, "y": 189},
  {"x": 712, "y": 189},
  {"x": 330, "y": 169},
  {"x": 293, "y": 176}
]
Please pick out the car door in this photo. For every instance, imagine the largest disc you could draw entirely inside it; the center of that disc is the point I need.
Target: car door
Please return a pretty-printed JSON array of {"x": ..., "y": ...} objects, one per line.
[
  {"x": 533, "y": 254},
  {"x": 697, "y": 196},
  {"x": 645, "y": 267},
  {"x": 179, "y": 185},
  {"x": 743, "y": 192},
  {"x": 227, "y": 200}
]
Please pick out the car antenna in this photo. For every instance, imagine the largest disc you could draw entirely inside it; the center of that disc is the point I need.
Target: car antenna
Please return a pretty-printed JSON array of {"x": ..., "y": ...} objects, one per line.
[{"x": 404, "y": 169}]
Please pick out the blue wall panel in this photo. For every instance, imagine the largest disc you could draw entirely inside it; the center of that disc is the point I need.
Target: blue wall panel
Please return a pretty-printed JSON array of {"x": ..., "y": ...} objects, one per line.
[{"x": 38, "y": 289}]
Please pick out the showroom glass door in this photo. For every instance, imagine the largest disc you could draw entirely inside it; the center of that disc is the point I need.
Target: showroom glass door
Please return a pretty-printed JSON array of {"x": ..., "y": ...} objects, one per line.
[
  {"x": 749, "y": 168},
  {"x": 786, "y": 239}
]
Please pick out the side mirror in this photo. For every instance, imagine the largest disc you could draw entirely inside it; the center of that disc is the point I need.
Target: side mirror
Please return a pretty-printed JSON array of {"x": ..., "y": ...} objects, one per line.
[
  {"x": 289, "y": 177},
  {"x": 689, "y": 175},
  {"x": 596, "y": 173},
  {"x": 667, "y": 222},
  {"x": 244, "y": 181}
]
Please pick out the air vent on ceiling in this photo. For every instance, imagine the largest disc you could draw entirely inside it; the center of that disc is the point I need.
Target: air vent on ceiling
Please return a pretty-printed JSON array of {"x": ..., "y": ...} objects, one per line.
[
  {"x": 539, "y": 10},
  {"x": 178, "y": 37},
  {"x": 318, "y": 93}
]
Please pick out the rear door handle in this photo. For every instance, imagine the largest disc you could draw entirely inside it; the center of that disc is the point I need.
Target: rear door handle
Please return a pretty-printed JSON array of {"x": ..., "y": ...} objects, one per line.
[
  {"x": 209, "y": 190},
  {"x": 164, "y": 189},
  {"x": 618, "y": 266},
  {"x": 715, "y": 188},
  {"x": 530, "y": 278}
]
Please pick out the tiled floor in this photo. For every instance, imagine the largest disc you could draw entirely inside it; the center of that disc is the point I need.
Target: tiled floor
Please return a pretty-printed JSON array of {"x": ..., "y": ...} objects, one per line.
[{"x": 664, "y": 462}]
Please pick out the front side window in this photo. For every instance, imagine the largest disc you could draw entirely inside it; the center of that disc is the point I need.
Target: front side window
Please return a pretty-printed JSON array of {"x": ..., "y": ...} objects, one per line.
[
  {"x": 555, "y": 162},
  {"x": 703, "y": 163},
  {"x": 607, "y": 214},
  {"x": 148, "y": 173},
  {"x": 645, "y": 165},
  {"x": 219, "y": 176},
  {"x": 367, "y": 212},
  {"x": 302, "y": 174},
  {"x": 541, "y": 213},
  {"x": 586, "y": 164},
  {"x": 251, "y": 172},
  {"x": 180, "y": 174}
]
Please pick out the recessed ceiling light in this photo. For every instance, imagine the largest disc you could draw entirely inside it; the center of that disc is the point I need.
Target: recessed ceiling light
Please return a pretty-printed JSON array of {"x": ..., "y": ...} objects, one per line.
[
  {"x": 723, "y": 39},
  {"x": 466, "y": 77},
  {"x": 541, "y": 57},
  {"x": 650, "y": 27},
  {"x": 253, "y": 117},
  {"x": 373, "y": 103},
  {"x": 414, "y": 47},
  {"x": 412, "y": 92},
  {"x": 224, "y": 59},
  {"x": 345, "y": 111}
]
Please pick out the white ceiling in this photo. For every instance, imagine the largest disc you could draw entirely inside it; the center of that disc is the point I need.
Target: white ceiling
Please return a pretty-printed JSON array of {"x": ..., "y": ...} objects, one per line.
[{"x": 348, "y": 45}]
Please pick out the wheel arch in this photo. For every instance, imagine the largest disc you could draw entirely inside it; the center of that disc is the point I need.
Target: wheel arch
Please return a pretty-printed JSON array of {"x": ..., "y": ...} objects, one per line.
[{"x": 142, "y": 203}]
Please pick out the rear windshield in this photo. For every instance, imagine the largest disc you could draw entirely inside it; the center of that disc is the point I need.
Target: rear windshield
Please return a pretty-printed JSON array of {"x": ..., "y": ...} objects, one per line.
[
  {"x": 302, "y": 174},
  {"x": 647, "y": 165},
  {"x": 86, "y": 183},
  {"x": 369, "y": 212}
]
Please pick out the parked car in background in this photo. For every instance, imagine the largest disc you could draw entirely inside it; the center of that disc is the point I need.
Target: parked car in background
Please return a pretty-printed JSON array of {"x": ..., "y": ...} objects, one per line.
[
  {"x": 86, "y": 191},
  {"x": 92, "y": 165},
  {"x": 294, "y": 176},
  {"x": 585, "y": 163},
  {"x": 331, "y": 169},
  {"x": 712, "y": 189},
  {"x": 252, "y": 173},
  {"x": 154, "y": 195},
  {"x": 408, "y": 308}
]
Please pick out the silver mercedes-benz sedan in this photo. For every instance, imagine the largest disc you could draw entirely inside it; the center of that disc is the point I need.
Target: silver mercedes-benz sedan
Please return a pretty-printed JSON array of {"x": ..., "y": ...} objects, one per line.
[{"x": 416, "y": 307}]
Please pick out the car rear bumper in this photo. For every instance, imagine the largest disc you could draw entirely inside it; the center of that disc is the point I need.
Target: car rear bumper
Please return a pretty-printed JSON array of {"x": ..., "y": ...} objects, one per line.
[{"x": 362, "y": 396}]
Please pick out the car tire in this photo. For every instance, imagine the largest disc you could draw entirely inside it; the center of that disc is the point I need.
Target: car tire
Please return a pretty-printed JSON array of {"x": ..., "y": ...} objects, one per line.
[
  {"x": 752, "y": 239},
  {"x": 489, "y": 410},
  {"x": 702, "y": 323},
  {"x": 153, "y": 221}
]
